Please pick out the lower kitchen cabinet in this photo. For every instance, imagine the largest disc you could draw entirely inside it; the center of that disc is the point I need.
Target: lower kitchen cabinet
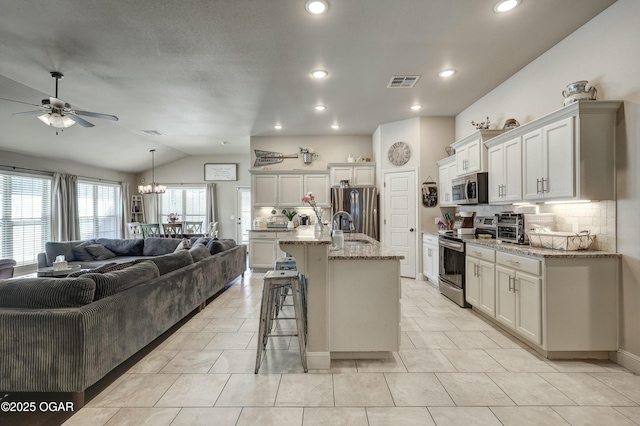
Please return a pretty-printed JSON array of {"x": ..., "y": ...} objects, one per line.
[
  {"x": 264, "y": 249},
  {"x": 480, "y": 280},
  {"x": 430, "y": 256}
]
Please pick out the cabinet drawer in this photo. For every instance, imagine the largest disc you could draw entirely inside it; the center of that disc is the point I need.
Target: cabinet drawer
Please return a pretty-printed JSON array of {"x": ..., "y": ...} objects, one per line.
[
  {"x": 263, "y": 235},
  {"x": 519, "y": 263},
  {"x": 430, "y": 239},
  {"x": 481, "y": 253}
]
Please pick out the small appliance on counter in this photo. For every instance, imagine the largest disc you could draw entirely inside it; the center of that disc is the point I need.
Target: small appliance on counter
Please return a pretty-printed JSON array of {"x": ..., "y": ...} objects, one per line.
[
  {"x": 463, "y": 220},
  {"x": 485, "y": 227},
  {"x": 514, "y": 227},
  {"x": 304, "y": 219}
]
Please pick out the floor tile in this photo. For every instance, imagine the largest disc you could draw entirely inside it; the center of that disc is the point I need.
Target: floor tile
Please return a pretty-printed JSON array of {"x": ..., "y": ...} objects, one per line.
[
  {"x": 464, "y": 416},
  {"x": 405, "y": 341},
  {"x": 431, "y": 340},
  {"x": 138, "y": 390},
  {"x": 348, "y": 390},
  {"x": 472, "y": 361},
  {"x": 529, "y": 389},
  {"x": 229, "y": 341},
  {"x": 339, "y": 366},
  {"x": 154, "y": 362},
  {"x": 594, "y": 416},
  {"x": 426, "y": 361},
  {"x": 626, "y": 384},
  {"x": 412, "y": 312},
  {"x": 194, "y": 390},
  {"x": 348, "y": 416},
  {"x": 440, "y": 311},
  {"x": 305, "y": 390},
  {"x": 192, "y": 362},
  {"x": 503, "y": 340},
  {"x": 473, "y": 389},
  {"x": 409, "y": 324},
  {"x": 217, "y": 312},
  {"x": 576, "y": 366},
  {"x": 471, "y": 340},
  {"x": 585, "y": 389},
  {"x": 90, "y": 416},
  {"x": 245, "y": 390},
  {"x": 633, "y": 413},
  {"x": 207, "y": 417},
  {"x": 520, "y": 361},
  {"x": 405, "y": 416},
  {"x": 436, "y": 324},
  {"x": 417, "y": 390},
  {"x": 528, "y": 416},
  {"x": 223, "y": 325},
  {"x": 416, "y": 301},
  {"x": 252, "y": 416},
  {"x": 276, "y": 362},
  {"x": 143, "y": 416},
  {"x": 194, "y": 325},
  {"x": 235, "y": 361},
  {"x": 470, "y": 324},
  {"x": 393, "y": 364},
  {"x": 188, "y": 341}
]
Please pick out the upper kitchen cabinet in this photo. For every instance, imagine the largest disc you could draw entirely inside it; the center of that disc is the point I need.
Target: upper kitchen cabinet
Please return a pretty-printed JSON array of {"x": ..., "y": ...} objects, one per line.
[
  {"x": 566, "y": 155},
  {"x": 358, "y": 174},
  {"x": 290, "y": 190},
  {"x": 264, "y": 189},
  {"x": 448, "y": 171},
  {"x": 505, "y": 171},
  {"x": 471, "y": 154},
  {"x": 286, "y": 188},
  {"x": 320, "y": 186}
]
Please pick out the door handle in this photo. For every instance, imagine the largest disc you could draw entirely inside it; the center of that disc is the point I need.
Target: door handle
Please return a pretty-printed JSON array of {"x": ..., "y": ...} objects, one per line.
[{"x": 410, "y": 229}]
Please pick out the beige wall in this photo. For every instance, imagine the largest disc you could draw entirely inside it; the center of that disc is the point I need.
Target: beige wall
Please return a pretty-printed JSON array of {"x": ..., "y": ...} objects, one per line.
[
  {"x": 603, "y": 51},
  {"x": 190, "y": 170}
]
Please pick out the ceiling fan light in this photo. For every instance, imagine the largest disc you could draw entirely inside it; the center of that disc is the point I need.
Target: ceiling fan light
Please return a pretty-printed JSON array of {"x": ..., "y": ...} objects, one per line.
[
  {"x": 45, "y": 119},
  {"x": 67, "y": 122}
]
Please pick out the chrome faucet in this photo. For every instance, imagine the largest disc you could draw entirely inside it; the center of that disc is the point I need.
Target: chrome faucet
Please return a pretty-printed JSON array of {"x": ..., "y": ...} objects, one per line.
[{"x": 335, "y": 222}]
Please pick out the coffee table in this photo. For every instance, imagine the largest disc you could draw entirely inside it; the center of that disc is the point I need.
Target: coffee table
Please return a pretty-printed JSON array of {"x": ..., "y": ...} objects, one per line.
[{"x": 57, "y": 273}]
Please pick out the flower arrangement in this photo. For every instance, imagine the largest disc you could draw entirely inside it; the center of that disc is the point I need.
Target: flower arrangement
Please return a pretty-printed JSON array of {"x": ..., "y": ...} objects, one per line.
[
  {"x": 173, "y": 217},
  {"x": 310, "y": 199}
]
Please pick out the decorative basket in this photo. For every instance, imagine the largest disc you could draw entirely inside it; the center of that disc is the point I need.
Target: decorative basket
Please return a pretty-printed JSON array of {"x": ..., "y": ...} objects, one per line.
[{"x": 562, "y": 240}]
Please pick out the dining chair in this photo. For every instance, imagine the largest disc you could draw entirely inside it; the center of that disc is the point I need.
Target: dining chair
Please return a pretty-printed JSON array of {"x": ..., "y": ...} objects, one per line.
[
  {"x": 173, "y": 229},
  {"x": 135, "y": 232},
  {"x": 212, "y": 231},
  {"x": 193, "y": 228},
  {"x": 150, "y": 230}
]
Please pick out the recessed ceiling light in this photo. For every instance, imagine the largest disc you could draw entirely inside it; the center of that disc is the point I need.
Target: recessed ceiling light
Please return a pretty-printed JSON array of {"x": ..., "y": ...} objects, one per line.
[
  {"x": 505, "y": 5},
  {"x": 316, "y": 7},
  {"x": 319, "y": 73},
  {"x": 277, "y": 126},
  {"x": 320, "y": 107},
  {"x": 335, "y": 126},
  {"x": 416, "y": 107},
  {"x": 446, "y": 73}
]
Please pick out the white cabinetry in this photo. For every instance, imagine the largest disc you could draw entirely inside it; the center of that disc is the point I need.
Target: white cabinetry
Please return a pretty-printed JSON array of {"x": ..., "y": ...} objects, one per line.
[
  {"x": 447, "y": 172},
  {"x": 319, "y": 185},
  {"x": 264, "y": 249},
  {"x": 505, "y": 172},
  {"x": 290, "y": 190},
  {"x": 265, "y": 190},
  {"x": 430, "y": 256},
  {"x": 480, "y": 279},
  {"x": 358, "y": 174},
  {"x": 471, "y": 154},
  {"x": 285, "y": 189}
]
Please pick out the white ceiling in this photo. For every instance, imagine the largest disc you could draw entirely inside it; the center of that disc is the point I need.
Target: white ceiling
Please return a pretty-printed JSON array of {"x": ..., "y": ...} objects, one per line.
[{"x": 202, "y": 72}]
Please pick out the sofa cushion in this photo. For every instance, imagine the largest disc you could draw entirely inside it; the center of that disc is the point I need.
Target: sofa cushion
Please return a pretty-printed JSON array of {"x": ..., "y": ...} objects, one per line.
[
  {"x": 56, "y": 248},
  {"x": 171, "y": 262},
  {"x": 158, "y": 246},
  {"x": 43, "y": 293},
  {"x": 123, "y": 247},
  {"x": 199, "y": 251},
  {"x": 218, "y": 246},
  {"x": 80, "y": 252},
  {"x": 100, "y": 252},
  {"x": 115, "y": 281},
  {"x": 202, "y": 240}
]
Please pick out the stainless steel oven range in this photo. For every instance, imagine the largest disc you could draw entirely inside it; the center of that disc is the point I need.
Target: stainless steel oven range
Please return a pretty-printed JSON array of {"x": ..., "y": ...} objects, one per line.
[{"x": 451, "y": 272}]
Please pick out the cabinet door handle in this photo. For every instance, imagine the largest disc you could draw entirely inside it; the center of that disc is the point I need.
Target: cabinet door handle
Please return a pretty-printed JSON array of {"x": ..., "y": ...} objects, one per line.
[
  {"x": 513, "y": 262},
  {"x": 543, "y": 181},
  {"x": 477, "y": 253},
  {"x": 511, "y": 288},
  {"x": 537, "y": 186}
]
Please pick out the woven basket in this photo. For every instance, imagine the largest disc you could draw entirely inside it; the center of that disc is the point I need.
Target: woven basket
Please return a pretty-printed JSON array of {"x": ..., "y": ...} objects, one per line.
[{"x": 561, "y": 240}]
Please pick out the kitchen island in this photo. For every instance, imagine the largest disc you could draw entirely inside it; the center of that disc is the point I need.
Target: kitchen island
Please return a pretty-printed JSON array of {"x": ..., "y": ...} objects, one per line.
[{"x": 353, "y": 296}]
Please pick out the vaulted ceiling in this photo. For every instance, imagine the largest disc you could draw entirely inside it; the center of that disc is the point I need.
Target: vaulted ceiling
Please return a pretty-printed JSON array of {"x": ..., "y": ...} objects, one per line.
[{"x": 204, "y": 72}]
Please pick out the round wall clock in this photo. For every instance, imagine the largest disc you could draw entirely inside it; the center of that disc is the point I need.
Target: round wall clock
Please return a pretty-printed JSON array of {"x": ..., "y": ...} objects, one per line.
[{"x": 399, "y": 153}]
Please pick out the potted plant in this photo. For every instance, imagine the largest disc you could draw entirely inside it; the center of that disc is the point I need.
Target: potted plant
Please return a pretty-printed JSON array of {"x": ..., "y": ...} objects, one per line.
[{"x": 290, "y": 215}]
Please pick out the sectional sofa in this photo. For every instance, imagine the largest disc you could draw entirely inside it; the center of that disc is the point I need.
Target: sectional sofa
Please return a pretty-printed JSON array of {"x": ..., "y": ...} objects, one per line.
[{"x": 65, "y": 334}]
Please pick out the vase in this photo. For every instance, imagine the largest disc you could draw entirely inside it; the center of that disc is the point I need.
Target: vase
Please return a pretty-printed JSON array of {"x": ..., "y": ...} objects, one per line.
[
  {"x": 290, "y": 224},
  {"x": 318, "y": 230},
  {"x": 577, "y": 91}
]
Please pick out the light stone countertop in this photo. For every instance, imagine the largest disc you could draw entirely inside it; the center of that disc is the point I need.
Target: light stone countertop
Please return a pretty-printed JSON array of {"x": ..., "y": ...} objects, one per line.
[
  {"x": 538, "y": 251},
  {"x": 272, "y": 230}
]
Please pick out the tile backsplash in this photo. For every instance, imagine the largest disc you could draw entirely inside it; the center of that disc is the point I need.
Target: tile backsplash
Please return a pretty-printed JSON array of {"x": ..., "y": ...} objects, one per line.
[{"x": 598, "y": 217}]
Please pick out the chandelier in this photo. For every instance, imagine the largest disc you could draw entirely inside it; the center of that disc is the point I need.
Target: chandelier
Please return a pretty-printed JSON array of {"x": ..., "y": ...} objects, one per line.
[{"x": 153, "y": 187}]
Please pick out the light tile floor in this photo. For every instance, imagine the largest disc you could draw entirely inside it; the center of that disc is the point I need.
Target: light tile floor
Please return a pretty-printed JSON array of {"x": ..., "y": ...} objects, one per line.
[{"x": 453, "y": 368}]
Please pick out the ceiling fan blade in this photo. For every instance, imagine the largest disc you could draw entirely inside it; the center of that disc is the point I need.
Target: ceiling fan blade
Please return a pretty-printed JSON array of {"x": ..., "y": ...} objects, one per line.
[
  {"x": 19, "y": 114},
  {"x": 80, "y": 121},
  {"x": 96, "y": 115},
  {"x": 20, "y": 102},
  {"x": 58, "y": 103}
]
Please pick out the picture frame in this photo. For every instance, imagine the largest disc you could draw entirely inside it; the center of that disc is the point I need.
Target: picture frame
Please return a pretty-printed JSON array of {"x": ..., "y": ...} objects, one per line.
[{"x": 220, "y": 171}]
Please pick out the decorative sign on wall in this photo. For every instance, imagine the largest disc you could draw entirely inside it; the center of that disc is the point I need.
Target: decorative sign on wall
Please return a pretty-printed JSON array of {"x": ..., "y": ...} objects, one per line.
[
  {"x": 221, "y": 171},
  {"x": 429, "y": 193}
]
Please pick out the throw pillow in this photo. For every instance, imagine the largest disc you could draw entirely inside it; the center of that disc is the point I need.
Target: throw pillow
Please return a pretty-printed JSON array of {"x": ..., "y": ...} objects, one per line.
[
  {"x": 218, "y": 246},
  {"x": 45, "y": 293},
  {"x": 199, "y": 252},
  {"x": 154, "y": 246},
  {"x": 123, "y": 247},
  {"x": 100, "y": 252},
  {"x": 80, "y": 252},
  {"x": 170, "y": 262}
]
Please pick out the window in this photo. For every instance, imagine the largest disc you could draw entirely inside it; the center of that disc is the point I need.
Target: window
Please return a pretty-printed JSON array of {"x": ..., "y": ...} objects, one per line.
[
  {"x": 189, "y": 203},
  {"x": 99, "y": 210},
  {"x": 25, "y": 216}
]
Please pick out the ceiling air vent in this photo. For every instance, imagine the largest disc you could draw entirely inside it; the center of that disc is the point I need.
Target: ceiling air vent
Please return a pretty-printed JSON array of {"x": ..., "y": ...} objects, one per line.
[
  {"x": 403, "y": 81},
  {"x": 153, "y": 133}
]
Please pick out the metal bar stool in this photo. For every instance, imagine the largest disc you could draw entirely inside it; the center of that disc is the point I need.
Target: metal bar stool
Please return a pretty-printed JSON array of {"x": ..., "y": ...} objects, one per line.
[{"x": 272, "y": 286}]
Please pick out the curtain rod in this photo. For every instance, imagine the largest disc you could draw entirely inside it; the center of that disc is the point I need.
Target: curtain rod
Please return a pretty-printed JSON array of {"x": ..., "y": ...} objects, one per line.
[{"x": 50, "y": 173}]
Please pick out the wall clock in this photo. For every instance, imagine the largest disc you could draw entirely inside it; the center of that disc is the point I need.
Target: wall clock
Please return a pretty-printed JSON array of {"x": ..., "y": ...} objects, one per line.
[{"x": 399, "y": 153}]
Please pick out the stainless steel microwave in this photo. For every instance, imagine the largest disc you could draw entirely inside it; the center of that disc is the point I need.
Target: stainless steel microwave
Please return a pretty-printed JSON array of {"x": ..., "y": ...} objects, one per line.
[{"x": 472, "y": 189}]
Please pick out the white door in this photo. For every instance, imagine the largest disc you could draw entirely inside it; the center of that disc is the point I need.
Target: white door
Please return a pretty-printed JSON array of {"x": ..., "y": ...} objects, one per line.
[
  {"x": 400, "y": 218},
  {"x": 243, "y": 213}
]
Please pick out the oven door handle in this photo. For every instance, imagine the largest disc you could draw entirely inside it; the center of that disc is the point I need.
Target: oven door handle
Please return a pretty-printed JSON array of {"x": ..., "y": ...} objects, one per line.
[{"x": 453, "y": 246}]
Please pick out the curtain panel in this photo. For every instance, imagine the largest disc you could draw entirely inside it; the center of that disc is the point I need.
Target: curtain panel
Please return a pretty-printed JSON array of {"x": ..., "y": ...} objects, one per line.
[
  {"x": 211, "y": 204},
  {"x": 125, "y": 203},
  {"x": 65, "y": 223}
]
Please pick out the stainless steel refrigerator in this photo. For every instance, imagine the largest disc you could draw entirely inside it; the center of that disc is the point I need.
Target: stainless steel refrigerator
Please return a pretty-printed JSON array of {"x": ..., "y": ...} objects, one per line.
[{"x": 361, "y": 204}]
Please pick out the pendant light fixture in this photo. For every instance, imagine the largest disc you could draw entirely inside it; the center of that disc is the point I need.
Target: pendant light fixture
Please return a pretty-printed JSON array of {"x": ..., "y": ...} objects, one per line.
[{"x": 153, "y": 187}]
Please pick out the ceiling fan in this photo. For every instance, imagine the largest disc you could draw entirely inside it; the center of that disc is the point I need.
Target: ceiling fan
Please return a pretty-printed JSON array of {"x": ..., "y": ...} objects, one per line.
[{"x": 57, "y": 113}]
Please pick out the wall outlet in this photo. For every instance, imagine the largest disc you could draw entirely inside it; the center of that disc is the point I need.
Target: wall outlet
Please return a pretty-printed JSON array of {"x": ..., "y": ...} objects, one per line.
[
  {"x": 436, "y": 220},
  {"x": 232, "y": 217}
]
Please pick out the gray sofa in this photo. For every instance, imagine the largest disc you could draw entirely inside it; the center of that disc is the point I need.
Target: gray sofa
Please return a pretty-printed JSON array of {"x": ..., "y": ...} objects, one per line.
[{"x": 63, "y": 335}]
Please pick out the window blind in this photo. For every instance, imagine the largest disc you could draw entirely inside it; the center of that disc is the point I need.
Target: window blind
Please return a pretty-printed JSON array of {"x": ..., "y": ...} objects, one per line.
[
  {"x": 189, "y": 203},
  {"x": 25, "y": 216},
  {"x": 99, "y": 210}
]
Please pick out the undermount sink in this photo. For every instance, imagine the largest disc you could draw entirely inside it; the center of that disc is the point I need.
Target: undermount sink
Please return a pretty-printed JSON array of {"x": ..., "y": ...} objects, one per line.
[{"x": 357, "y": 243}]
